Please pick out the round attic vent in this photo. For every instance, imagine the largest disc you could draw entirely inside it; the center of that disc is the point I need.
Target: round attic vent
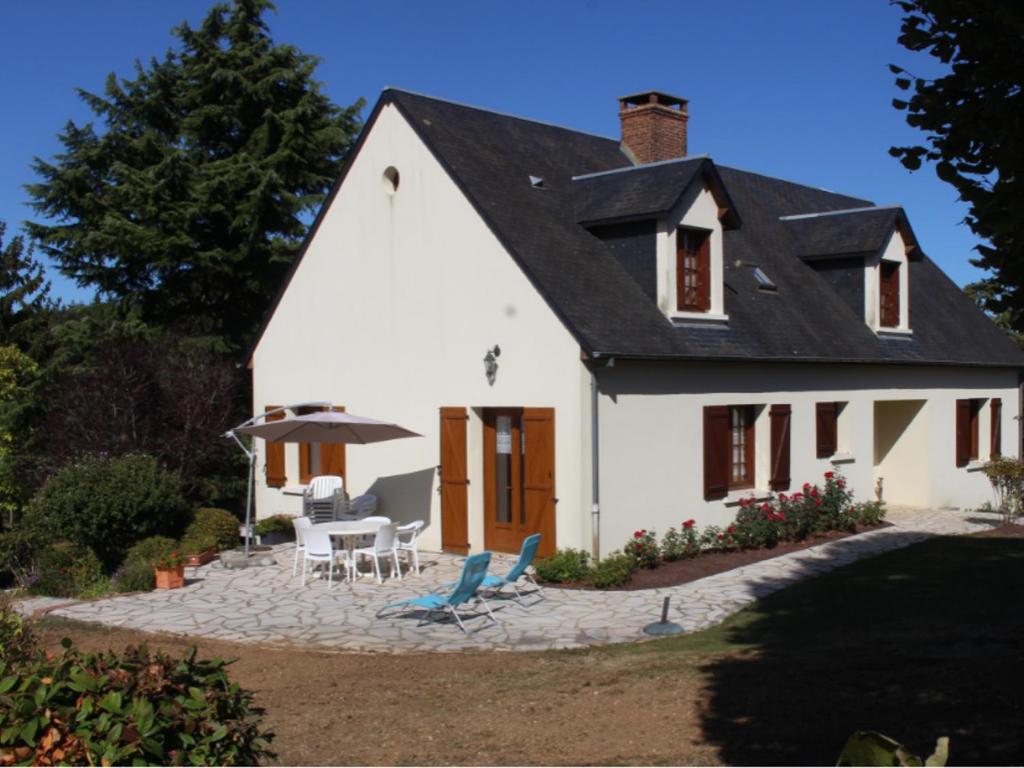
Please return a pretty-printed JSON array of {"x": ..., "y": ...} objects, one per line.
[{"x": 390, "y": 180}]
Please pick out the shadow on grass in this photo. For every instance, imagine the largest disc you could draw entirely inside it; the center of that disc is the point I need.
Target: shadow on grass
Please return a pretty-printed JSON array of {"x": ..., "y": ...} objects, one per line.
[{"x": 917, "y": 643}]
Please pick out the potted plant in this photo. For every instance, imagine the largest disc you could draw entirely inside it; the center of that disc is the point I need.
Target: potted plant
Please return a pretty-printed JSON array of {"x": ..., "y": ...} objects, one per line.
[
  {"x": 170, "y": 570},
  {"x": 199, "y": 549},
  {"x": 275, "y": 530}
]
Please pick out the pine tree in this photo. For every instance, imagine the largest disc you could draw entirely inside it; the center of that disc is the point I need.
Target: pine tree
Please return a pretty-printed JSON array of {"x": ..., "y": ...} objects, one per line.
[
  {"x": 24, "y": 290},
  {"x": 191, "y": 201}
]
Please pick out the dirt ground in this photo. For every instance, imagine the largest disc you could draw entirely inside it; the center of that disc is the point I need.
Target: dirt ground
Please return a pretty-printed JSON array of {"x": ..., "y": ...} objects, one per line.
[{"x": 457, "y": 709}]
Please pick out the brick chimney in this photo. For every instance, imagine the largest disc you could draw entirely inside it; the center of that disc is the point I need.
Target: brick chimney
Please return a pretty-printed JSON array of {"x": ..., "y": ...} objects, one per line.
[{"x": 653, "y": 126}]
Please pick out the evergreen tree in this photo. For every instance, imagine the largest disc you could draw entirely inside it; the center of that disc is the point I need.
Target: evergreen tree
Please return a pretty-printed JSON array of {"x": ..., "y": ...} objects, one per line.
[
  {"x": 24, "y": 291},
  {"x": 190, "y": 201},
  {"x": 974, "y": 118}
]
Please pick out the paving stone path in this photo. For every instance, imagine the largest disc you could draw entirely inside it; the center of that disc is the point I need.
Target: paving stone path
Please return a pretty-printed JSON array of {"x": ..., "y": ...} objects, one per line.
[{"x": 268, "y": 606}]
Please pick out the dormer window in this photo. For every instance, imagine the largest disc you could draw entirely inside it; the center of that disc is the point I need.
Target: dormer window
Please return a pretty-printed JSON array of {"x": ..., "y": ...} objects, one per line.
[
  {"x": 889, "y": 294},
  {"x": 693, "y": 270}
]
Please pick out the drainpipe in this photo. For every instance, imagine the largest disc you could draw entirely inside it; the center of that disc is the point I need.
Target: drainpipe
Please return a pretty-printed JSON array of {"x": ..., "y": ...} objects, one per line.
[{"x": 595, "y": 475}]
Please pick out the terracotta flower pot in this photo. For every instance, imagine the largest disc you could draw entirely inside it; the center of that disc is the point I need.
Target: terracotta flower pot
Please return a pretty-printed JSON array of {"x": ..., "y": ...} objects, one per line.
[
  {"x": 170, "y": 578},
  {"x": 200, "y": 558}
]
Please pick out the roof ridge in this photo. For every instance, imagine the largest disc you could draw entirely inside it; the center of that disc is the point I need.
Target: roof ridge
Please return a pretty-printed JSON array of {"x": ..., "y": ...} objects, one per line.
[
  {"x": 840, "y": 212},
  {"x": 463, "y": 104},
  {"x": 641, "y": 166}
]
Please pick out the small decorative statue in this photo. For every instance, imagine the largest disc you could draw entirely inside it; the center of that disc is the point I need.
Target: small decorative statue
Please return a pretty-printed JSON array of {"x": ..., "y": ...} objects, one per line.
[{"x": 878, "y": 489}]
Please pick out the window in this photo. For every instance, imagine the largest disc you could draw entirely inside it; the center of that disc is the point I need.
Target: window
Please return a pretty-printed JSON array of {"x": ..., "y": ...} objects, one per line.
[
  {"x": 274, "y": 462},
  {"x": 996, "y": 436},
  {"x": 889, "y": 294},
  {"x": 728, "y": 449},
  {"x": 693, "y": 270},
  {"x": 826, "y": 419},
  {"x": 779, "y": 415},
  {"x": 967, "y": 431},
  {"x": 320, "y": 458}
]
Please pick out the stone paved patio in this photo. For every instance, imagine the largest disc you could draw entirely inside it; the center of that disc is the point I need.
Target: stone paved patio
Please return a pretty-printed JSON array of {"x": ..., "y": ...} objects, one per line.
[{"x": 267, "y": 605}]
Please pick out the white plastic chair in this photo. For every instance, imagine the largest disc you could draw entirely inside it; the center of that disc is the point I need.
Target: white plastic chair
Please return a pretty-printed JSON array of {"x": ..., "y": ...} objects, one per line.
[
  {"x": 367, "y": 540},
  {"x": 410, "y": 545},
  {"x": 324, "y": 486},
  {"x": 384, "y": 545},
  {"x": 319, "y": 549},
  {"x": 301, "y": 525}
]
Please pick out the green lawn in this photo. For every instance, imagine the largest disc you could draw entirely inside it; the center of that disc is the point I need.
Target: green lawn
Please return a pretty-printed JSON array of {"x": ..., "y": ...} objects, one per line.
[{"x": 918, "y": 643}]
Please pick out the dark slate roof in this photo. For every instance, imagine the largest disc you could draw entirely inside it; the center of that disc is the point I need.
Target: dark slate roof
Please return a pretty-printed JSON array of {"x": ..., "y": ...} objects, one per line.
[
  {"x": 492, "y": 156},
  {"x": 860, "y": 230},
  {"x": 643, "y": 191}
]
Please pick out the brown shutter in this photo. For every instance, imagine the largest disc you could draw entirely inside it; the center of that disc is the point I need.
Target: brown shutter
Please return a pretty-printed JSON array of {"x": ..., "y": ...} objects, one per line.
[
  {"x": 716, "y": 451},
  {"x": 332, "y": 455},
  {"x": 454, "y": 481},
  {"x": 538, "y": 473},
  {"x": 963, "y": 432},
  {"x": 704, "y": 274},
  {"x": 996, "y": 413},
  {"x": 274, "y": 466},
  {"x": 826, "y": 418},
  {"x": 780, "y": 418}
]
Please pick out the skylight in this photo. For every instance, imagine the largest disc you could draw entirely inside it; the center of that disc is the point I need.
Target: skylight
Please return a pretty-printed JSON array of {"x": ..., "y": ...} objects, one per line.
[
  {"x": 537, "y": 182},
  {"x": 763, "y": 281}
]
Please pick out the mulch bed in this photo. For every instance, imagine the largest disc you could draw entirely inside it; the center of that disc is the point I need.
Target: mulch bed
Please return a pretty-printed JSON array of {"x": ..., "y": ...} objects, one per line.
[
  {"x": 691, "y": 569},
  {"x": 1007, "y": 531}
]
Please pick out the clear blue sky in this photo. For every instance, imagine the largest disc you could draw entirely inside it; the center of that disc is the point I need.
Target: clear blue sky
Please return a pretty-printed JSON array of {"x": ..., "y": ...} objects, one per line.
[{"x": 798, "y": 90}]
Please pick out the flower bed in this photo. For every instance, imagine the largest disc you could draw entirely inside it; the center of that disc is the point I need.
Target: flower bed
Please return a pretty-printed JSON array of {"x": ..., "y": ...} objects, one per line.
[{"x": 785, "y": 523}]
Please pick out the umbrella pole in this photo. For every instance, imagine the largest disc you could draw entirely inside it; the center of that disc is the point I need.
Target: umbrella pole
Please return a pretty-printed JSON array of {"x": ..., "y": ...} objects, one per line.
[{"x": 248, "y": 497}]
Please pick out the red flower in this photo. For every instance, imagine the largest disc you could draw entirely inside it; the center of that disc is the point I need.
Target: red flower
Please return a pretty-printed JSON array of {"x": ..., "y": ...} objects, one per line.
[
  {"x": 814, "y": 492},
  {"x": 829, "y": 475},
  {"x": 689, "y": 523},
  {"x": 807, "y": 487},
  {"x": 721, "y": 536},
  {"x": 766, "y": 507},
  {"x": 782, "y": 497},
  {"x": 638, "y": 534},
  {"x": 730, "y": 529},
  {"x": 797, "y": 497},
  {"x": 817, "y": 502}
]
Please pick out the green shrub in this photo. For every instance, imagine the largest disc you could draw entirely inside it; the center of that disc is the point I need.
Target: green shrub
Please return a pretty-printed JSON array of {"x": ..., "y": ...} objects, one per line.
[
  {"x": 131, "y": 708},
  {"x": 18, "y": 550},
  {"x": 873, "y": 748},
  {"x": 1007, "y": 478},
  {"x": 194, "y": 543},
  {"x": 677, "y": 544},
  {"x": 613, "y": 570},
  {"x": 274, "y": 524},
  {"x": 564, "y": 565},
  {"x": 217, "y": 524},
  {"x": 643, "y": 548},
  {"x": 17, "y": 641},
  {"x": 64, "y": 569},
  {"x": 108, "y": 504},
  {"x": 136, "y": 572},
  {"x": 870, "y": 513}
]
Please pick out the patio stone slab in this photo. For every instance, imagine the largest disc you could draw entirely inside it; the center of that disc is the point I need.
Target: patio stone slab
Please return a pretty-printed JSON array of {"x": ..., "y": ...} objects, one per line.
[{"x": 268, "y": 605}]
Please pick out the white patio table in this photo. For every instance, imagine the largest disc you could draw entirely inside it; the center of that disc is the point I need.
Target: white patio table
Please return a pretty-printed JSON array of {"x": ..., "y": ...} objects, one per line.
[{"x": 349, "y": 530}]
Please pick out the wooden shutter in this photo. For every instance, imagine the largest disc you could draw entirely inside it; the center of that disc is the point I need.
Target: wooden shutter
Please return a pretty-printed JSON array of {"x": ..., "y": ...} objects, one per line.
[
  {"x": 963, "y": 432},
  {"x": 826, "y": 419},
  {"x": 454, "y": 481},
  {"x": 780, "y": 416},
  {"x": 889, "y": 294},
  {"x": 996, "y": 414},
  {"x": 332, "y": 455},
  {"x": 274, "y": 465},
  {"x": 704, "y": 274},
  {"x": 716, "y": 451},
  {"x": 539, "y": 476}
]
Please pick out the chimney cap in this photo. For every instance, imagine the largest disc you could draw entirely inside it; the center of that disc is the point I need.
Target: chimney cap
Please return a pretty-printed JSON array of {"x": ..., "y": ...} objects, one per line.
[{"x": 652, "y": 97}]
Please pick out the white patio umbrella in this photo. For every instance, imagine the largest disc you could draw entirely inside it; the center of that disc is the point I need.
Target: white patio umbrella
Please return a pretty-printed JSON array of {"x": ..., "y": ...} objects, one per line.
[{"x": 324, "y": 426}]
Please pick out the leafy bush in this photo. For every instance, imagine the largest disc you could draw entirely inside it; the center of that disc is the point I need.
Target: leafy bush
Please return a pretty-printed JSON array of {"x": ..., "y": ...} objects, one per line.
[
  {"x": 643, "y": 548},
  {"x": 64, "y": 569},
  {"x": 108, "y": 504},
  {"x": 872, "y": 748},
  {"x": 127, "y": 708},
  {"x": 17, "y": 641},
  {"x": 564, "y": 565},
  {"x": 1007, "y": 478},
  {"x": 613, "y": 570},
  {"x": 194, "y": 543},
  {"x": 870, "y": 512},
  {"x": 677, "y": 544},
  {"x": 274, "y": 524},
  {"x": 217, "y": 524},
  {"x": 18, "y": 550},
  {"x": 136, "y": 572}
]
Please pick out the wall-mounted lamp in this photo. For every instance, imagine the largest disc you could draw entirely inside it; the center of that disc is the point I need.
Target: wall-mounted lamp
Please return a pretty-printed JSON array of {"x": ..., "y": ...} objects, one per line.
[{"x": 491, "y": 364}]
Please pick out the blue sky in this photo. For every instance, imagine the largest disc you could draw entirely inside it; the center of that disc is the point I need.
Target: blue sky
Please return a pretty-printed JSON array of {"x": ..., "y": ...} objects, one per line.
[{"x": 799, "y": 90}]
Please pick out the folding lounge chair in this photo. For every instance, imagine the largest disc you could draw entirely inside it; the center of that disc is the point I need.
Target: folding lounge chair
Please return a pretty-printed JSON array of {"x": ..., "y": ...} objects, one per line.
[
  {"x": 473, "y": 573},
  {"x": 518, "y": 571}
]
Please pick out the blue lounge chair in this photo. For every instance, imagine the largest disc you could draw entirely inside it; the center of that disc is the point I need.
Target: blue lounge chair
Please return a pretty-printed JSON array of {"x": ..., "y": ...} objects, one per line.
[
  {"x": 526, "y": 555},
  {"x": 474, "y": 571}
]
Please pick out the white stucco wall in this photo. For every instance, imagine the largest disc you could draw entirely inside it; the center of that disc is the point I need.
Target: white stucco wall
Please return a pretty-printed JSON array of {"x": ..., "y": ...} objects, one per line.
[
  {"x": 651, "y": 422},
  {"x": 390, "y": 314}
]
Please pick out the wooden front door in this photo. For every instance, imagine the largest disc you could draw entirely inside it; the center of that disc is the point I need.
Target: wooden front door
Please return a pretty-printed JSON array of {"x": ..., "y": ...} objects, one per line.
[
  {"x": 519, "y": 478},
  {"x": 454, "y": 481}
]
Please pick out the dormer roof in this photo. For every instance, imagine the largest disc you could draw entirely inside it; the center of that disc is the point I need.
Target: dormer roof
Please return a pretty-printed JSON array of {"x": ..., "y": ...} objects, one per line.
[
  {"x": 647, "y": 191},
  {"x": 857, "y": 231}
]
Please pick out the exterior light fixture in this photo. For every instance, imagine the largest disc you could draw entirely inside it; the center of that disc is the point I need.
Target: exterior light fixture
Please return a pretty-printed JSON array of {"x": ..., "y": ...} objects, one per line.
[{"x": 491, "y": 364}]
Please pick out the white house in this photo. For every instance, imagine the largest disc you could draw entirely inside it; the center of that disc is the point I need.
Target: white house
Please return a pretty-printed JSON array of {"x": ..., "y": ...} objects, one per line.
[{"x": 669, "y": 335}]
